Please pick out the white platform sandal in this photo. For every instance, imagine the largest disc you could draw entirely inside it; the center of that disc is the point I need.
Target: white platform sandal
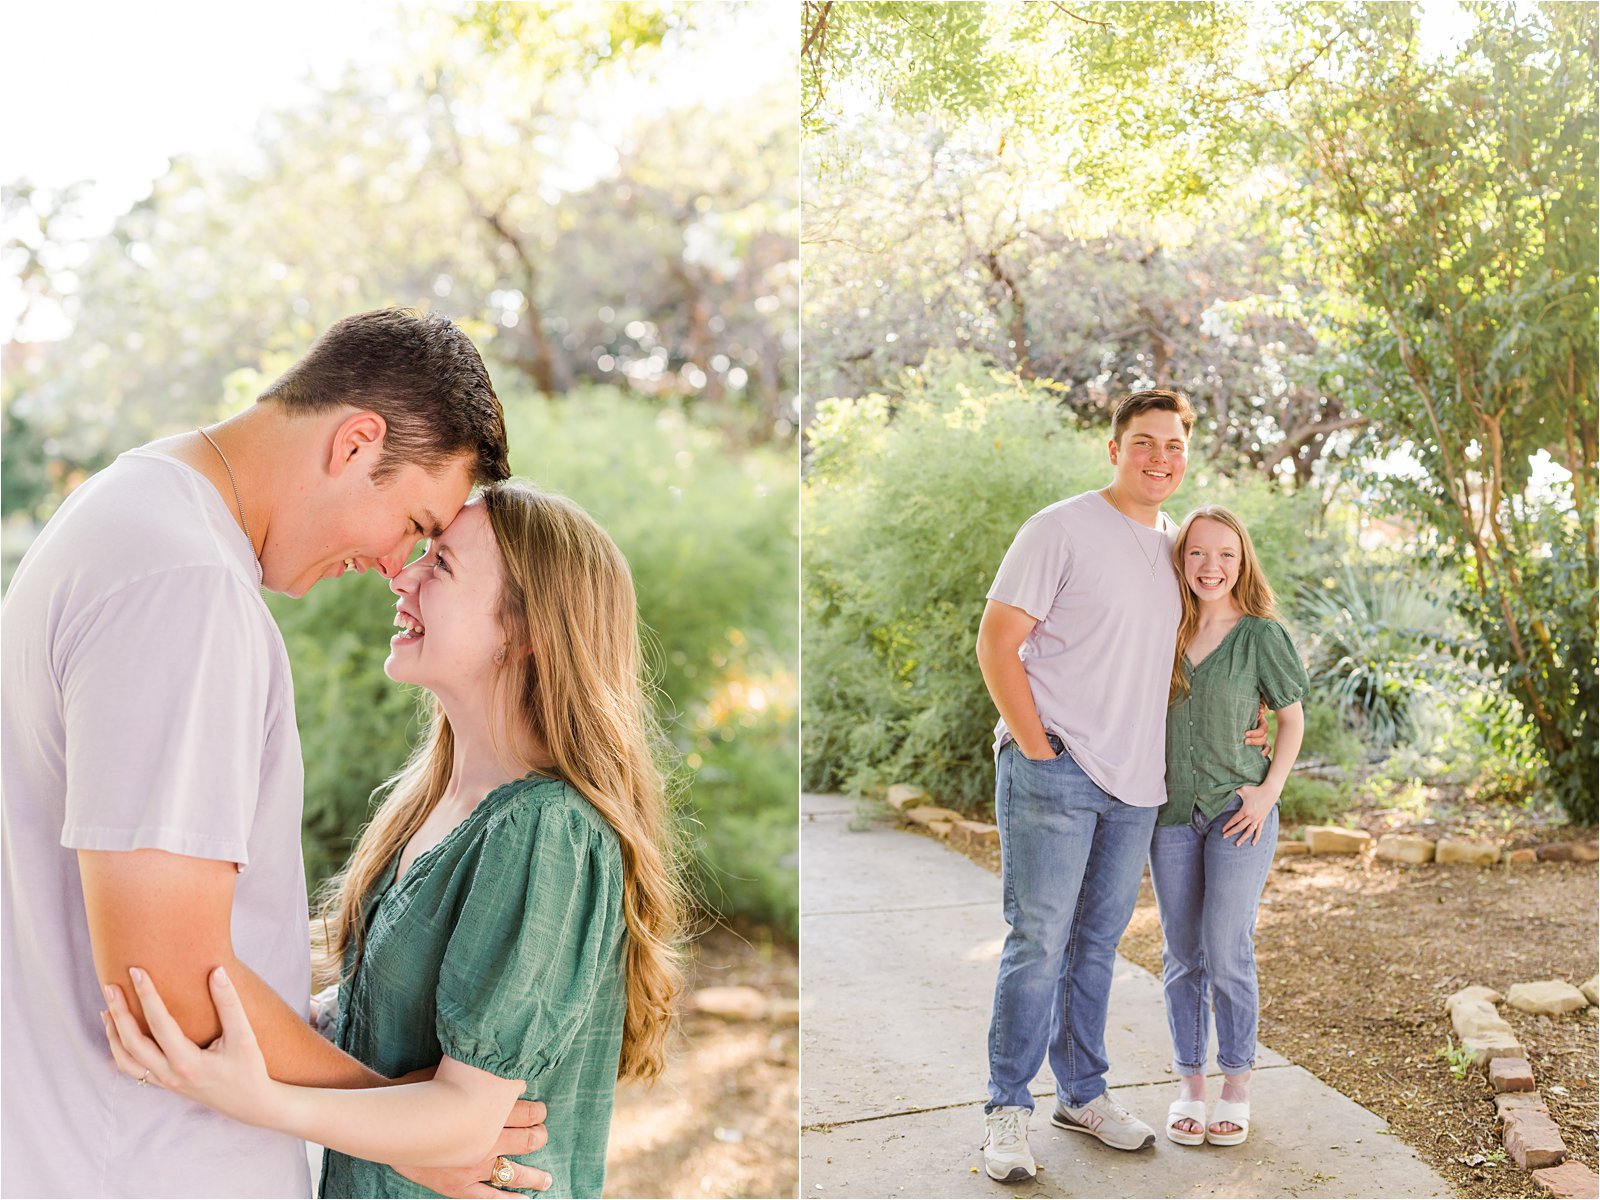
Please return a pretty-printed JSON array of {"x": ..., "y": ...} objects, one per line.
[
  {"x": 1235, "y": 1111},
  {"x": 1194, "y": 1110}
]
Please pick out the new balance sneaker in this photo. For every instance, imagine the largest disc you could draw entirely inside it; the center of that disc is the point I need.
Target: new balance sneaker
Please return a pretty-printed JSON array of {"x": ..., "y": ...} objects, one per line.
[
  {"x": 1006, "y": 1156},
  {"x": 1107, "y": 1120}
]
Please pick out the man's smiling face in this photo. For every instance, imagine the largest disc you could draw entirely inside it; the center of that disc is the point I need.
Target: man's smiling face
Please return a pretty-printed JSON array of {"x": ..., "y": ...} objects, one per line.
[
  {"x": 360, "y": 524},
  {"x": 1151, "y": 456}
]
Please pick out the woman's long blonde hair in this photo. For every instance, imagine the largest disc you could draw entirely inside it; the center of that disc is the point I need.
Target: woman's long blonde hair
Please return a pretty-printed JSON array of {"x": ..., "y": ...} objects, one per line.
[
  {"x": 573, "y": 684},
  {"x": 1251, "y": 591}
]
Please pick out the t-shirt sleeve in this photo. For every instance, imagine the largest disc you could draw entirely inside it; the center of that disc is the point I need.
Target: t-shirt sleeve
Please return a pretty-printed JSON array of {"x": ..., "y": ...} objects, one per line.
[
  {"x": 539, "y": 929},
  {"x": 1034, "y": 568},
  {"x": 1283, "y": 675},
  {"x": 165, "y": 692}
]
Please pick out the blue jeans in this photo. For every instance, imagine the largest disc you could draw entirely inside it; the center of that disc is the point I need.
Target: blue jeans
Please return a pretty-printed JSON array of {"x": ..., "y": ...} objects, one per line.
[
  {"x": 1207, "y": 890},
  {"x": 1070, "y": 861}
]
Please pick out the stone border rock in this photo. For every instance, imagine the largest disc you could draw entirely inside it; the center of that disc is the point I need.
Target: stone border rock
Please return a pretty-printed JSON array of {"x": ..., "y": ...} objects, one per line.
[
  {"x": 1529, "y": 1135},
  {"x": 915, "y": 809},
  {"x": 1415, "y": 850},
  {"x": 743, "y": 1003},
  {"x": 915, "y": 806}
]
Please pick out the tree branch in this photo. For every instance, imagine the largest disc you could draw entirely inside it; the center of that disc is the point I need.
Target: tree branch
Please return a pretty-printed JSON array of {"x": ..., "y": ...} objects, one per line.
[{"x": 1067, "y": 12}]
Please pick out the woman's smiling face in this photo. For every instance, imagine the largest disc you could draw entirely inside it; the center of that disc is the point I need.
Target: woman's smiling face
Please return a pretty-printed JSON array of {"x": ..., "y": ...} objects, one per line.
[
  {"x": 1211, "y": 558},
  {"x": 448, "y": 610}
]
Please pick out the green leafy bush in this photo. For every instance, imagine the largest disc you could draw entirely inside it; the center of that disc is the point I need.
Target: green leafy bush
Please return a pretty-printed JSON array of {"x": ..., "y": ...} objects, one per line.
[
  {"x": 1328, "y": 739},
  {"x": 1493, "y": 745},
  {"x": 910, "y": 503},
  {"x": 710, "y": 534},
  {"x": 1559, "y": 689},
  {"x": 1308, "y": 801}
]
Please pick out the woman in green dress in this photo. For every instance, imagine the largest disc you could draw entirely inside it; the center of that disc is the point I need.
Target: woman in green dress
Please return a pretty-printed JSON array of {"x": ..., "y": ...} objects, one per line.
[
  {"x": 1218, "y": 830},
  {"x": 510, "y": 912}
]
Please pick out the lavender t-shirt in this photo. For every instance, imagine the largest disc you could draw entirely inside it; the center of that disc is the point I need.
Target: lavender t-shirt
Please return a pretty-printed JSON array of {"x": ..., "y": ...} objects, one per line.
[
  {"x": 148, "y": 704},
  {"x": 1099, "y": 661}
]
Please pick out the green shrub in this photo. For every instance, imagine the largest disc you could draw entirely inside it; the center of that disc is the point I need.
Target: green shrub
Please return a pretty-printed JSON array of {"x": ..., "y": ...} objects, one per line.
[
  {"x": 1557, "y": 604},
  {"x": 1484, "y": 742},
  {"x": 1308, "y": 801},
  {"x": 710, "y": 534},
  {"x": 1328, "y": 739},
  {"x": 910, "y": 503},
  {"x": 745, "y": 816},
  {"x": 1502, "y": 749}
]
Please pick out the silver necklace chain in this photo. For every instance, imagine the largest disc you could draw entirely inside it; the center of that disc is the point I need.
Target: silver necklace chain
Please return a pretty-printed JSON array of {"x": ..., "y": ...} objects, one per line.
[
  {"x": 1149, "y": 561},
  {"x": 227, "y": 466}
]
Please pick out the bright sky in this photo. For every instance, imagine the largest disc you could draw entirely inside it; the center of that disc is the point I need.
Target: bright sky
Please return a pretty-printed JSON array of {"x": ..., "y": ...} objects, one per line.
[
  {"x": 109, "y": 91},
  {"x": 104, "y": 91}
]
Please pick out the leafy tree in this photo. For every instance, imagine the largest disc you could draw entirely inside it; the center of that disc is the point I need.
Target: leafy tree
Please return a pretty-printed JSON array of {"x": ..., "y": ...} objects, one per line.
[
  {"x": 1454, "y": 201},
  {"x": 1127, "y": 99},
  {"x": 936, "y": 246}
]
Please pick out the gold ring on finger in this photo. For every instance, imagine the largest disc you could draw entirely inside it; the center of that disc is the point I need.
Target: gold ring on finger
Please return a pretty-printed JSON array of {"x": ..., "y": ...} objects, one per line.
[
  {"x": 504, "y": 1169},
  {"x": 144, "y": 1079}
]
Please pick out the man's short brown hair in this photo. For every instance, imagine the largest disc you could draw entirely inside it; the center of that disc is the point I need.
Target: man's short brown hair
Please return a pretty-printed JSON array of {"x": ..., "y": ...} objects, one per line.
[
  {"x": 1151, "y": 399},
  {"x": 417, "y": 371}
]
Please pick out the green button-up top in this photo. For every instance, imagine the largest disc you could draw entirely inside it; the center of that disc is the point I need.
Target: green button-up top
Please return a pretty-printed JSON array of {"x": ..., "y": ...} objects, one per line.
[
  {"x": 502, "y": 947},
  {"x": 1207, "y": 760}
]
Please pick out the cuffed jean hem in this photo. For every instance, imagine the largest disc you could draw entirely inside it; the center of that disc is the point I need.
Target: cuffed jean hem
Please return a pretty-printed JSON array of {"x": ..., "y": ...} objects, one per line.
[{"x": 1200, "y": 1068}]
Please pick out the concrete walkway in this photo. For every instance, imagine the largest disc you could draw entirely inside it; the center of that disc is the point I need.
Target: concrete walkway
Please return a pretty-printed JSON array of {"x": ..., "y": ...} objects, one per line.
[{"x": 901, "y": 937}]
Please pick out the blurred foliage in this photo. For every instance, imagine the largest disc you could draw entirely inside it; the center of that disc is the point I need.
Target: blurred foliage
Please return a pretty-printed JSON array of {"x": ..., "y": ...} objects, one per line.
[
  {"x": 709, "y": 533},
  {"x": 1310, "y": 801},
  {"x": 482, "y": 173},
  {"x": 910, "y": 502},
  {"x": 571, "y": 39},
  {"x": 1328, "y": 738}
]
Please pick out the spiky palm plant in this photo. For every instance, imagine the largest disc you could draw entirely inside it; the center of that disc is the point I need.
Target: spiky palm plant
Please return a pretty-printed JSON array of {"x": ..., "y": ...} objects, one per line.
[{"x": 1372, "y": 638}]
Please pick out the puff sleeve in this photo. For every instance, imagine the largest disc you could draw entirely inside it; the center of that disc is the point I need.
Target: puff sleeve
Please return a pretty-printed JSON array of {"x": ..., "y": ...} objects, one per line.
[
  {"x": 540, "y": 930},
  {"x": 1282, "y": 675}
]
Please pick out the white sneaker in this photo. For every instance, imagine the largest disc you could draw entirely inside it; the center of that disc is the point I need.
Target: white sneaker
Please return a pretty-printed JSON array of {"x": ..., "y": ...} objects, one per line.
[
  {"x": 1005, "y": 1149},
  {"x": 1106, "y": 1120}
]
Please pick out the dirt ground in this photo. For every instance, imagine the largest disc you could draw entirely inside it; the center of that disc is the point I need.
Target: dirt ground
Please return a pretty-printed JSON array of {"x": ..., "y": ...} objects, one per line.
[
  {"x": 724, "y": 1118},
  {"x": 1355, "y": 959}
]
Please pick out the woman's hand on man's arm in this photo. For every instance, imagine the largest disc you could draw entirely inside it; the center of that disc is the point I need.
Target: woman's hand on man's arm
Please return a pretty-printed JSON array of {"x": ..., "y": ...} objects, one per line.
[
  {"x": 172, "y": 915},
  {"x": 457, "y": 1120}
]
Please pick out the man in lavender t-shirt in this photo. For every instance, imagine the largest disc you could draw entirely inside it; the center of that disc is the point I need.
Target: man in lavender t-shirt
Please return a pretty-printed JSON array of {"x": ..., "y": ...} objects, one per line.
[
  {"x": 1076, "y": 648},
  {"x": 150, "y": 773}
]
